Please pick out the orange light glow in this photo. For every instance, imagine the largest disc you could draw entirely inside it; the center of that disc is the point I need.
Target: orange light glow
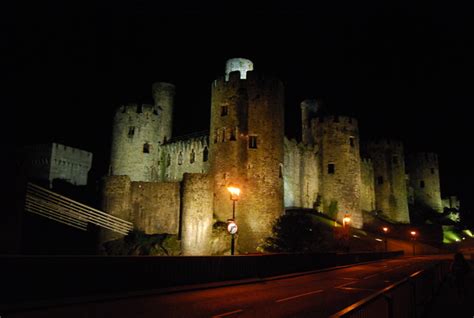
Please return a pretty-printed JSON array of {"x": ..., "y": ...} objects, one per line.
[
  {"x": 413, "y": 233},
  {"x": 385, "y": 229},
  {"x": 234, "y": 192}
]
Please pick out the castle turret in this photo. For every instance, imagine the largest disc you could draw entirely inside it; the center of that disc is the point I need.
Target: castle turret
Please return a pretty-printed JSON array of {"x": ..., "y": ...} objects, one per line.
[
  {"x": 391, "y": 195},
  {"x": 338, "y": 140},
  {"x": 135, "y": 142},
  {"x": 163, "y": 95},
  {"x": 246, "y": 149},
  {"x": 423, "y": 169},
  {"x": 238, "y": 64},
  {"x": 309, "y": 109}
]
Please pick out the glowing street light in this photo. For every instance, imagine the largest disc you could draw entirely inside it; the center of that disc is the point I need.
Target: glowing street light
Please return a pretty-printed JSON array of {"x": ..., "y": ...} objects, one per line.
[
  {"x": 345, "y": 226},
  {"x": 413, "y": 237},
  {"x": 232, "y": 226},
  {"x": 385, "y": 231}
]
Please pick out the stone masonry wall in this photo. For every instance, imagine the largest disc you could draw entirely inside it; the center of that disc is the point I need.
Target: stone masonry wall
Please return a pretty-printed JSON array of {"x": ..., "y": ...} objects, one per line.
[
  {"x": 189, "y": 155},
  {"x": 338, "y": 141},
  {"x": 300, "y": 175},
  {"x": 197, "y": 214},
  {"x": 367, "y": 190},
  {"x": 155, "y": 206},
  {"x": 70, "y": 164}
]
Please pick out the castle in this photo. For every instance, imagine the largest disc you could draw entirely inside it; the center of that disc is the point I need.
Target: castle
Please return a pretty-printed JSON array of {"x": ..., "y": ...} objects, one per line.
[{"x": 179, "y": 185}]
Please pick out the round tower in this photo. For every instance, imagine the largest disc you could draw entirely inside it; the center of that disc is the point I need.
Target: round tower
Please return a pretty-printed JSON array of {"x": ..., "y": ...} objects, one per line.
[
  {"x": 135, "y": 142},
  {"x": 163, "y": 96},
  {"x": 423, "y": 170},
  {"x": 238, "y": 64},
  {"x": 246, "y": 150},
  {"x": 391, "y": 195},
  {"x": 309, "y": 109},
  {"x": 338, "y": 141}
]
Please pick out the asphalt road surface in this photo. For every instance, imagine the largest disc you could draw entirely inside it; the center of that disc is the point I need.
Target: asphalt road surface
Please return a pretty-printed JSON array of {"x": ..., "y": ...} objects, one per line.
[{"x": 312, "y": 295}]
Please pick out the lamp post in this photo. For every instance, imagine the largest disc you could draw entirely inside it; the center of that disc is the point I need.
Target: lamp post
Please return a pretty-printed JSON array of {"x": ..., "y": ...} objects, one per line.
[
  {"x": 413, "y": 238},
  {"x": 232, "y": 226},
  {"x": 345, "y": 225},
  {"x": 385, "y": 231}
]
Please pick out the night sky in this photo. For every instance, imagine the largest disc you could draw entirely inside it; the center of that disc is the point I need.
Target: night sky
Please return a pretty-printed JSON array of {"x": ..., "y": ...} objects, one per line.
[{"x": 403, "y": 68}]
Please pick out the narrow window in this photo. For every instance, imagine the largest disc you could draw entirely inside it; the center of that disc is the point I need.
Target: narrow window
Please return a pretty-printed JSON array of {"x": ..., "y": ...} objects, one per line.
[
  {"x": 180, "y": 158},
  {"x": 395, "y": 160},
  {"x": 380, "y": 180},
  {"x": 351, "y": 141},
  {"x": 216, "y": 135},
  {"x": 131, "y": 131},
  {"x": 253, "y": 142},
  {"x": 224, "y": 110},
  {"x": 146, "y": 148},
  {"x": 280, "y": 171},
  {"x": 432, "y": 171},
  {"x": 331, "y": 168},
  {"x": 205, "y": 154},
  {"x": 168, "y": 160},
  {"x": 139, "y": 109},
  {"x": 233, "y": 134},
  {"x": 223, "y": 135},
  {"x": 192, "y": 156},
  {"x": 422, "y": 184}
]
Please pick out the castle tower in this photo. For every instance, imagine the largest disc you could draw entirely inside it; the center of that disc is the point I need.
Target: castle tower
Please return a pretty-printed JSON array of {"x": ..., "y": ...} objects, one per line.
[
  {"x": 391, "y": 195},
  {"x": 423, "y": 169},
  {"x": 338, "y": 140},
  {"x": 246, "y": 149},
  {"x": 309, "y": 109},
  {"x": 135, "y": 142},
  {"x": 163, "y": 95}
]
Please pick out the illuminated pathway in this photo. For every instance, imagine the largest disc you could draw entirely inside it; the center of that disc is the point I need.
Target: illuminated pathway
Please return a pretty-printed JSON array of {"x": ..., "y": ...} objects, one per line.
[{"x": 312, "y": 295}]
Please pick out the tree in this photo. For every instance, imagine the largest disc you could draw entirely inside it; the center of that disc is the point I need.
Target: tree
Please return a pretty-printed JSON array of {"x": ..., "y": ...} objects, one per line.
[{"x": 296, "y": 233}]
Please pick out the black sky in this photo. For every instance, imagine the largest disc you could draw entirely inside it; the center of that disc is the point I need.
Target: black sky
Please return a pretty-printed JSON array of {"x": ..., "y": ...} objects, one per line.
[{"x": 403, "y": 68}]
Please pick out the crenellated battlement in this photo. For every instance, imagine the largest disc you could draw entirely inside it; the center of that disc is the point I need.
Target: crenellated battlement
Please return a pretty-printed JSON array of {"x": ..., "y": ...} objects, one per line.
[
  {"x": 385, "y": 143},
  {"x": 427, "y": 157},
  {"x": 133, "y": 108},
  {"x": 254, "y": 79},
  {"x": 366, "y": 162}
]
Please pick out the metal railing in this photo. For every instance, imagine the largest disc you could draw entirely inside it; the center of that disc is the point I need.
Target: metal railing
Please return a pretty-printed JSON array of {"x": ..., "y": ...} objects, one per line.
[{"x": 405, "y": 298}]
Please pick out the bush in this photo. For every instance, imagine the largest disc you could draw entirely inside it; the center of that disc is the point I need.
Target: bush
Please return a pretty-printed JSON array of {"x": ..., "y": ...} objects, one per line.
[{"x": 295, "y": 233}]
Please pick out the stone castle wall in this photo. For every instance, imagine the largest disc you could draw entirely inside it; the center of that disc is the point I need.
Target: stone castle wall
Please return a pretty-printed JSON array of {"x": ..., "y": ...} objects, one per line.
[
  {"x": 70, "y": 164},
  {"x": 300, "y": 175},
  {"x": 197, "y": 214},
  {"x": 338, "y": 140},
  {"x": 423, "y": 168},
  {"x": 135, "y": 143},
  {"x": 246, "y": 147},
  {"x": 182, "y": 156},
  {"x": 367, "y": 189},
  {"x": 388, "y": 159}
]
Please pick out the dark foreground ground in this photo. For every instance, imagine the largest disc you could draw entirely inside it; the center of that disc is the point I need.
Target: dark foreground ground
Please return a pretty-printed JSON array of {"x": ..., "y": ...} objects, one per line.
[{"x": 317, "y": 294}]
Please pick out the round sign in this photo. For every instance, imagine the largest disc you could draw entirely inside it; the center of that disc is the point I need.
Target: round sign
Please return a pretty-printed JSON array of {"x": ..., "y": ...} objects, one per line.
[{"x": 232, "y": 227}]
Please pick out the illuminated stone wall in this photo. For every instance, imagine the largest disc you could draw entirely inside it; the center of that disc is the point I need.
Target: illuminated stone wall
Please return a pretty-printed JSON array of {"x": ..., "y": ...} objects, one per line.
[
  {"x": 300, "y": 175},
  {"x": 367, "y": 190},
  {"x": 423, "y": 168},
  {"x": 189, "y": 155},
  {"x": 55, "y": 161},
  {"x": 391, "y": 194},
  {"x": 155, "y": 206},
  {"x": 116, "y": 200},
  {"x": 243, "y": 111},
  {"x": 135, "y": 143},
  {"x": 338, "y": 140},
  {"x": 197, "y": 214},
  {"x": 163, "y": 96}
]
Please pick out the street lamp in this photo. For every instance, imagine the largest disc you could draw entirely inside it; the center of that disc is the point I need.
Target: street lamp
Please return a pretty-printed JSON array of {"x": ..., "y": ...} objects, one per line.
[
  {"x": 385, "y": 231},
  {"x": 345, "y": 225},
  {"x": 413, "y": 238},
  {"x": 232, "y": 226}
]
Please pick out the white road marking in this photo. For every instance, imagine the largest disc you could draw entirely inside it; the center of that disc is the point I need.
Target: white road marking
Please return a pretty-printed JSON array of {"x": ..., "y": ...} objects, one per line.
[
  {"x": 366, "y": 277},
  {"x": 345, "y": 284},
  {"x": 301, "y": 295},
  {"x": 357, "y": 288},
  {"x": 228, "y": 313}
]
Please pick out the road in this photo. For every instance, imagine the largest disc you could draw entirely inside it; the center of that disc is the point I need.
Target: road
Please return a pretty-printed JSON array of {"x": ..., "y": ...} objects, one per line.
[{"x": 312, "y": 295}]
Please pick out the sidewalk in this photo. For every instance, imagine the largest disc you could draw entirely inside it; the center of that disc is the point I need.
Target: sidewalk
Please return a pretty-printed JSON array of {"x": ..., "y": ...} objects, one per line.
[{"x": 447, "y": 303}]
